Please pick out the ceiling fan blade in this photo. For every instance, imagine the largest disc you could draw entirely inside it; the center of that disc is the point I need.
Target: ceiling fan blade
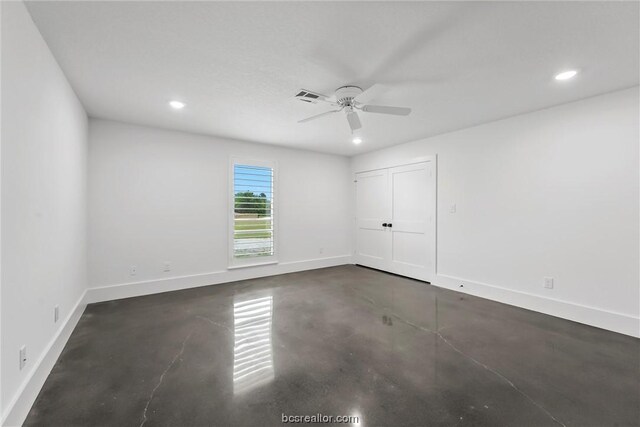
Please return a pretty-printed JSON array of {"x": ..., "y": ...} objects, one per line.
[
  {"x": 383, "y": 109},
  {"x": 317, "y": 116},
  {"x": 354, "y": 121}
]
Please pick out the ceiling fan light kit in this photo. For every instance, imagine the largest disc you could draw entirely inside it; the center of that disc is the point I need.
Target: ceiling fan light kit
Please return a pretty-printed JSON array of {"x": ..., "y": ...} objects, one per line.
[{"x": 347, "y": 99}]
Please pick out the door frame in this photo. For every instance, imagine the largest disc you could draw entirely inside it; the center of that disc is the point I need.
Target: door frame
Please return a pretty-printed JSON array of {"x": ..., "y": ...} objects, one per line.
[{"x": 434, "y": 187}]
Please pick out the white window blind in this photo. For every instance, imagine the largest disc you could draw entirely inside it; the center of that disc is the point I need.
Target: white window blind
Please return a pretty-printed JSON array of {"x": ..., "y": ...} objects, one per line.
[{"x": 253, "y": 211}]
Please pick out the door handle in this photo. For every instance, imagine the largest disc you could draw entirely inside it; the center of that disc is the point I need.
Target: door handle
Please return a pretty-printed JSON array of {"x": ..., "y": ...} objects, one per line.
[{"x": 384, "y": 224}]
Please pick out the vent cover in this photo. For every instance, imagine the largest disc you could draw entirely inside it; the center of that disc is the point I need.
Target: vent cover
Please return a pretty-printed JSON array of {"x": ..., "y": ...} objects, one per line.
[{"x": 308, "y": 96}]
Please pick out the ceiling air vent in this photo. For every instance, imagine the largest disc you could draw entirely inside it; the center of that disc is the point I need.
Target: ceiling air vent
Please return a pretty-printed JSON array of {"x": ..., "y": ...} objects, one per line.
[{"x": 308, "y": 96}]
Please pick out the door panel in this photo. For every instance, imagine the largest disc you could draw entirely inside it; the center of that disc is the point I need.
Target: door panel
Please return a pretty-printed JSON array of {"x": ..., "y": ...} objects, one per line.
[
  {"x": 404, "y": 250},
  {"x": 373, "y": 208},
  {"x": 372, "y": 195},
  {"x": 372, "y": 245},
  {"x": 410, "y": 207},
  {"x": 408, "y": 185}
]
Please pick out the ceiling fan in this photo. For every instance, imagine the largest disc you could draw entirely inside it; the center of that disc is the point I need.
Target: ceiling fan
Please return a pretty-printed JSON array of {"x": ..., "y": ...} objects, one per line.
[{"x": 348, "y": 99}]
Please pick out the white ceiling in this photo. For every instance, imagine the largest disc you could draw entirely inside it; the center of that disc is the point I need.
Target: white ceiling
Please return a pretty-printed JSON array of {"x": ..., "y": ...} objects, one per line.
[{"x": 237, "y": 64}]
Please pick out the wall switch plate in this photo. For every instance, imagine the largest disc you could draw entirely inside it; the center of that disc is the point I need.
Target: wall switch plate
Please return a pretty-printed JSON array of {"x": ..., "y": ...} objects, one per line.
[
  {"x": 167, "y": 266},
  {"x": 56, "y": 314},
  {"x": 23, "y": 356},
  {"x": 452, "y": 209},
  {"x": 133, "y": 270},
  {"x": 548, "y": 282}
]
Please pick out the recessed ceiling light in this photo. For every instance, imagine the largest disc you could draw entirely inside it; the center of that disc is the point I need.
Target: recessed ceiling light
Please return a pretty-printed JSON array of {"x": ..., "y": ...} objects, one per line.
[
  {"x": 357, "y": 140},
  {"x": 566, "y": 75},
  {"x": 177, "y": 104}
]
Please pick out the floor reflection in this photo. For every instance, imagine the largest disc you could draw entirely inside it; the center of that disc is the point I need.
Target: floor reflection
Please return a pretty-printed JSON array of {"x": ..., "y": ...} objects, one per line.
[{"x": 252, "y": 353}]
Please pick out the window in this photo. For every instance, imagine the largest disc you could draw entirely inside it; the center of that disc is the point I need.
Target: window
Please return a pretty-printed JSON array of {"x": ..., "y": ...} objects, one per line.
[{"x": 253, "y": 213}]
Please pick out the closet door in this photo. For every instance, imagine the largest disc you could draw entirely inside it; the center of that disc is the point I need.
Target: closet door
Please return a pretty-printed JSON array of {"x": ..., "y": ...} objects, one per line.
[
  {"x": 373, "y": 208},
  {"x": 395, "y": 220},
  {"x": 411, "y": 220}
]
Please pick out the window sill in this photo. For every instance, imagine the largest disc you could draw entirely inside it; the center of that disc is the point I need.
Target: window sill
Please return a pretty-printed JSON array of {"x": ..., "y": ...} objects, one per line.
[{"x": 255, "y": 264}]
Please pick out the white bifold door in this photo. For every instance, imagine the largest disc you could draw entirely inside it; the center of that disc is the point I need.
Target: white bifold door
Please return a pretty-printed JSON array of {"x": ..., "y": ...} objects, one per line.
[{"x": 395, "y": 220}]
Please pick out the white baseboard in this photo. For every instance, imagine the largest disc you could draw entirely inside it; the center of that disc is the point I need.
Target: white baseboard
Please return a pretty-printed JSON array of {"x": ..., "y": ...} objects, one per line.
[
  {"x": 18, "y": 408},
  {"x": 148, "y": 287},
  {"x": 593, "y": 316}
]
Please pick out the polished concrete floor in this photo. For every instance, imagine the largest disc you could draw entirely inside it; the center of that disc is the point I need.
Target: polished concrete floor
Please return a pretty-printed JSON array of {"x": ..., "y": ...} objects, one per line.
[{"x": 338, "y": 341}]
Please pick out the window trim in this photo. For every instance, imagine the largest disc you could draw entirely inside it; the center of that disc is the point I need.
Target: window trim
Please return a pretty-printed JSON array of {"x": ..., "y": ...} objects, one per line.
[{"x": 234, "y": 262}]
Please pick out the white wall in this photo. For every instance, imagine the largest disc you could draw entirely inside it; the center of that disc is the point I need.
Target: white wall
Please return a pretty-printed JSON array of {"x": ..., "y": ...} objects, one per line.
[
  {"x": 157, "y": 195},
  {"x": 550, "y": 193},
  {"x": 44, "y": 154}
]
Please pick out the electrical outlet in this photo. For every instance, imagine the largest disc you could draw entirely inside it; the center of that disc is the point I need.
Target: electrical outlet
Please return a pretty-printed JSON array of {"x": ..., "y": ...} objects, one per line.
[
  {"x": 23, "y": 356},
  {"x": 56, "y": 314},
  {"x": 167, "y": 266},
  {"x": 452, "y": 209},
  {"x": 321, "y": 250},
  {"x": 548, "y": 282},
  {"x": 133, "y": 270}
]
